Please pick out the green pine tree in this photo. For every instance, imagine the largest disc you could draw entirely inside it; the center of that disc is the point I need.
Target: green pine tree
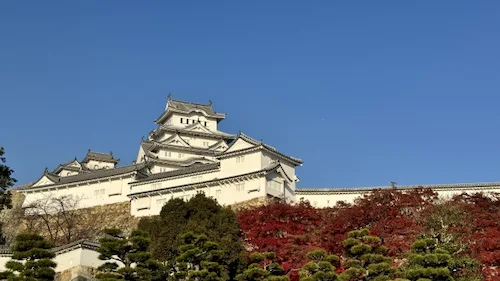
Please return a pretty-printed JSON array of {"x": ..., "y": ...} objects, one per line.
[
  {"x": 128, "y": 258},
  {"x": 366, "y": 258},
  {"x": 31, "y": 259},
  {"x": 6, "y": 181},
  {"x": 320, "y": 268},
  {"x": 263, "y": 267},
  {"x": 199, "y": 259},
  {"x": 427, "y": 262},
  {"x": 198, "y": 215}
]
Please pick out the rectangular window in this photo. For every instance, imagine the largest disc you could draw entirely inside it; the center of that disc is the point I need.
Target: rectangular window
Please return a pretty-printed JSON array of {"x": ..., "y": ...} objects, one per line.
[
  {"x": 192, "y": 121},
  {"x": 98, "y": 192},
  {"x": 168, "y": 154},
  {"x": 205, "y": 143},
  {"x": 181, "y": 155},
  {"x": 240, "y": 159},
  {"x": 218, "y": 192},
  {"x": 240, "y": 186},
  {"x": 205, "y": 124},
  {"x": 196, "y": 179},
  {"x": 182, "y": 120},
  {"x": 156, "y": 185}
]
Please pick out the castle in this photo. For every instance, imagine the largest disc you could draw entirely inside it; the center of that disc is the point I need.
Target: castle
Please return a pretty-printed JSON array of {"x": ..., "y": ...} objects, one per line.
[{"x": 187, "y": 154}]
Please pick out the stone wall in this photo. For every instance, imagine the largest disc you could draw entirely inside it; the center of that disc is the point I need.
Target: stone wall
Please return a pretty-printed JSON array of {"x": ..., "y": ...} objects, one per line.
[
  {"x": 79, "y": 224},
  {"x": 77, "y": 273}
]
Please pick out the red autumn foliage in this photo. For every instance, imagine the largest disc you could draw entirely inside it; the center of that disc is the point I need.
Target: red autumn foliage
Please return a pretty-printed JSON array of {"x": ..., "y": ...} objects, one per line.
[
  {"x": 287, "y": 230},
  {"x": 396, "y": 216},
  {"x": 483, "y": 235},
  {"x": 389, "y": 214}
]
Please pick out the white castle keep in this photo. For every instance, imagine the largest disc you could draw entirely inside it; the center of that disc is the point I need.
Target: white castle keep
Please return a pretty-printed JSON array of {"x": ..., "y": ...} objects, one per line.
[{"x": 187, "y": 154}]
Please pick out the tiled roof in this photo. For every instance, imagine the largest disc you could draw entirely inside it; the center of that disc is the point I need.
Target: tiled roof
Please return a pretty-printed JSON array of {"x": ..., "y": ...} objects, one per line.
[
  {"x": 175, "y": 129},
  {"x": 80, "y": 244},
  {"x": 182, "y": 163},
  {"x": 97, "y": 174},
  {"x": 258, "y": 144},
  {"x": 188, "y": 107},
  {"x": 152, "y": 146},
  {"x": 98, "y": 156},
  {"x": 24, "y": 186},
  {"x": 271, "y": 167},
  {"x": 195, "y": 168},
  {"x": 458, "y": 186}
]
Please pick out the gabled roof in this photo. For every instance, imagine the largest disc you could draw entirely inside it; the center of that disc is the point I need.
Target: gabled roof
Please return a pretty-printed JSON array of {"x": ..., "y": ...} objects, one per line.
[
  {"x": 217, "y": 144},
  {"x": 189, "y": 107},
  {"x": 97, "y": 174},
  {"x": 98, "y": 156},
  {"x": 183, "y": 130},
  {"x": 257, "y": 145},
  {"x": 195, "y": 168},
  {"x": 176, "y": 139},
  {"x": 68, "y": 166}
]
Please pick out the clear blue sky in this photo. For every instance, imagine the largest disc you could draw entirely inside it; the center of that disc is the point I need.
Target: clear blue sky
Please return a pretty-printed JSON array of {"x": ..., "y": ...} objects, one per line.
[{"x": 365, "y": 92}]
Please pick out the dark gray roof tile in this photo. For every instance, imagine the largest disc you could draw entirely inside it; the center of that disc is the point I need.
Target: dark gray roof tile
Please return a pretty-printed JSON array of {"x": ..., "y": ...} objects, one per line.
[
  {"x": 97, "y": 174},
  {"x": 195, "y": 168},
  {"x": 98, "y": 156}
]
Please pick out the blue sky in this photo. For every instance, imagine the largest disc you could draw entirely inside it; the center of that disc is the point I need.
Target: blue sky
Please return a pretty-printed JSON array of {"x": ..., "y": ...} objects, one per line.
[{"x": 365, "y": 92}]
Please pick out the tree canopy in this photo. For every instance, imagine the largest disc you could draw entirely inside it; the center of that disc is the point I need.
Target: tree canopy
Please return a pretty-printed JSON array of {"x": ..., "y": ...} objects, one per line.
[{"x": 31, "y": 259}]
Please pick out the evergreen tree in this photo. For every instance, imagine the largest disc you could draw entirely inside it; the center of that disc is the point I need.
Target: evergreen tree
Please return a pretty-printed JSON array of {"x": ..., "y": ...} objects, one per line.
[
  {"x": 131, "y": 254},
  {"x": 366, "y": 258},
  {"x": 427, "y": 262},
  {"x": 31, "y": 259},
  {"x": 6, "y": 181},
  {"x": 320, "y": 268},
  {"x": 199, "y": 259},
  {"x": 263, "y": 268},
  {"x": 198, "y": 215}
]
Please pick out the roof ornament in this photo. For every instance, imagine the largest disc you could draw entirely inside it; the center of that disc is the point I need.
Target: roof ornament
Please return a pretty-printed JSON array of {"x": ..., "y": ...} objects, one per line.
[
  {"x": 393, "y": 184},
  {"x": 111, "y": 153},
  {"x": 169, "y": 97},
  {"x": 46, "y": 170},
  {"x": 209, "y": 102}
]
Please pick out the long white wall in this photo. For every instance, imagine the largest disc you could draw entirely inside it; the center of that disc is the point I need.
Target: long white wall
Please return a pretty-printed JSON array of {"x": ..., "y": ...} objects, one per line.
[
  {"x": 323, "y": 198},
  {"x": 67, "y": 259},
  {"x": 95, "y": 193}
]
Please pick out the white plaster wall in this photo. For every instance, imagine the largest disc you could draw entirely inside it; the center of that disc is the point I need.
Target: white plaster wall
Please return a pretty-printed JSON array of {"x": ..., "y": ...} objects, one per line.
[
  {"x": 3, "y": 260},
  {"x": 326, "y": 200},
  {"x": 161, "y": 168},
  {"x": 91, "y": 194},
  {"x": 225, "y": 194},
  {"x": 199, "y": 142},
  {"x": 67, "y": 260},
  {"x": 176, "y": 120},
  {"x": 251, "y": 162},
  {"x": 100, "y": 165},
  {"x": 329, "y": 200},
  {"x": 174, "y": 154}
]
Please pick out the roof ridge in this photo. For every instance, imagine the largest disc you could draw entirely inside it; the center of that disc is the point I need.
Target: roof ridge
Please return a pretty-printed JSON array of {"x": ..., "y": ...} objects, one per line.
[
  {"x": 190, "y": 102},
  {"x": 368, "y": 188}
]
